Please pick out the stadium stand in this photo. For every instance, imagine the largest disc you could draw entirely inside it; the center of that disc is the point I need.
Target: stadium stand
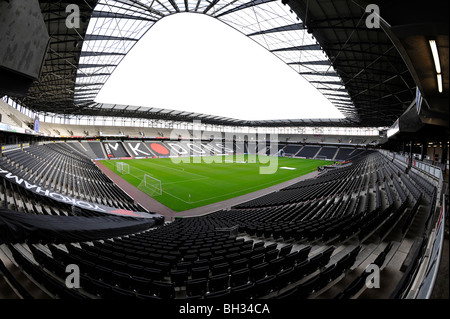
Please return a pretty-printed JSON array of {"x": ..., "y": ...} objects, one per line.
[
  {"x": 96, "y": 148},
  {"x": 310, "y": 239},
  {"x": 82, "y": 148},
  {"x": 309, "y": 151},
  {"x": 343, "y": 153},
  {"x": 292, "y": 149},
  {"x": 137, "y": 148},
  {"x": 57, "y": 167},
  {"x": 13, "y": 117},
  {"x": 115, "y": 149},
  {"x": 327, "y": 153},
  {"x": 300, "y": 242},
  {"x": 82, "y": 131}
]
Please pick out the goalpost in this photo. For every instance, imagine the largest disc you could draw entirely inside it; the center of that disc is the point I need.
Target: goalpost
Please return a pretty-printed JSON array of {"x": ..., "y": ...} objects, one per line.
[
  {"x": 123, "y": 168},
  {"x": 151, "y": 185}
]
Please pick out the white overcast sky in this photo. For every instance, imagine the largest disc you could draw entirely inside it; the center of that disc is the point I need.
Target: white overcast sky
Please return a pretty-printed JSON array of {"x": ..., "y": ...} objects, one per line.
[{"x": 192, "y": 62}]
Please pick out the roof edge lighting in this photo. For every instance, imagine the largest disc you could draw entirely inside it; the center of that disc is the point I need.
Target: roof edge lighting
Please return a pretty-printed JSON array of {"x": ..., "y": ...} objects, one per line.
[
  {"x": 437, "y": 64},
  {"x": 435, "y": 53}
]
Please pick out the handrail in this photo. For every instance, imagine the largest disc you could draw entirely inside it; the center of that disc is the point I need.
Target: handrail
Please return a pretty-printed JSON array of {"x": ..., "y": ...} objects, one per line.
[
  {"x": 433, "y": 261},
  {"x": 419, "y": 281}
]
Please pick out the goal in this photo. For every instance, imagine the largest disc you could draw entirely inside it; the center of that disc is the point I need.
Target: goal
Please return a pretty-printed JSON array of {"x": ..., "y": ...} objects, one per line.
[
  {"x": 150, "y": 185},
  {"x": 123, "y": 168}
]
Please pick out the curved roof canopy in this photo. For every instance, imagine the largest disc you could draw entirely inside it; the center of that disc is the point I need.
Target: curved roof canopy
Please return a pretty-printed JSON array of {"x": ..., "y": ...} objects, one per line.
[
  {"x": 358, "y": 69},
  {"x": 116, "y": 26}
]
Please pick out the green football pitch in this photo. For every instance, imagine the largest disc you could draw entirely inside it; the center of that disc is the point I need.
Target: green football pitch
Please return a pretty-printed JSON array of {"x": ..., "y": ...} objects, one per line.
[{"x": 185, "y": 183}]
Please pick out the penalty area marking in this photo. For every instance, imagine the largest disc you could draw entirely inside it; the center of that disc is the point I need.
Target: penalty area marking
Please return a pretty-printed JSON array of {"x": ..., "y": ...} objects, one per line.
[{"x": 178, "y": 169}]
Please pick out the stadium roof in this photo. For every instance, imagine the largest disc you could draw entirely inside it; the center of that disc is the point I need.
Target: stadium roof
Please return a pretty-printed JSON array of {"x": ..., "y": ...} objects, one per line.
[{"x": 357, "y": 68}]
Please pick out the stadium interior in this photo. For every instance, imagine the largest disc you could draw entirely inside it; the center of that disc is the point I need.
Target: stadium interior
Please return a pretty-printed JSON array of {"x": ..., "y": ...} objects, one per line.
[{"x": 376, "y": 216}]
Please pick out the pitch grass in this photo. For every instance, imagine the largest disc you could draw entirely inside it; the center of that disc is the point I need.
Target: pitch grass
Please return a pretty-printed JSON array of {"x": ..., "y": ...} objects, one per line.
[{"x": 189, "y": 185}]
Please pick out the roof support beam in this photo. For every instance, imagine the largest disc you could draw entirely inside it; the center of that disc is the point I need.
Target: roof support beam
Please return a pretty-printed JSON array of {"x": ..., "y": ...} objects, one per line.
[
  {"x": 97, "y": 53},
  {"x": 174, "y": 5},
  {"x": 112, "y": 15},
  {"x": 318, "y": 62},
  {"x": 245, "y": 6},
  {"x": 299, "y": 48},
  {"x": 291, "y": 27},
  {"x": 97, "y": 37},
  {"x": 212, "y": 4}
]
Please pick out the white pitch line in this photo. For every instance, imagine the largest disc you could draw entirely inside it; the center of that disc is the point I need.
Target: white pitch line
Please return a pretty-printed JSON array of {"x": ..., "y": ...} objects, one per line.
[
  {"x": 244, "y": 189},
  {"x": 162, "y": 183},
  {"x": 176, "y": 169},
  {"x": 188, "y": 180},
  {"x": 182, "y": 200},
  {"x": 201, "y": 178}
]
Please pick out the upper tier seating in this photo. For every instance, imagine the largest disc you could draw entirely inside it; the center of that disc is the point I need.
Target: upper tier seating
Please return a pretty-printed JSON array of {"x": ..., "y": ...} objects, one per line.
[{"x": 308, "y": 151}]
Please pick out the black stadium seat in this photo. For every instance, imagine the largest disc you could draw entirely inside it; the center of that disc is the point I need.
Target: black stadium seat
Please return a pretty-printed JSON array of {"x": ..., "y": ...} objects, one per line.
[
  {"x": 285, "y": 250},
  {"x": 291, "y": 243},
  {"x": 179, "y": 276},
  {"x": 196, "y": 287},
  {"x": 243, "y": 292},
  {"x": 200, "y": 272},
  {"x": 284, "y": 277},
  {"x": 259, "y": 271},
  {"x": 239, "y": 277},
  {"x": 163, "y": 289},
  {"x": 222, "y": 294},
  {"x": 218, "y": 282},
  {"x": 221, "y": 268},
  {"x": 264, "y": 286}
]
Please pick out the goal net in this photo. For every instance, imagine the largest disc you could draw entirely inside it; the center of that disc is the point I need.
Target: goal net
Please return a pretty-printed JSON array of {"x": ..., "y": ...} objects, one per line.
[
  {"x": 123, "y": 168},
  {"x": 150, "y": 185}
]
